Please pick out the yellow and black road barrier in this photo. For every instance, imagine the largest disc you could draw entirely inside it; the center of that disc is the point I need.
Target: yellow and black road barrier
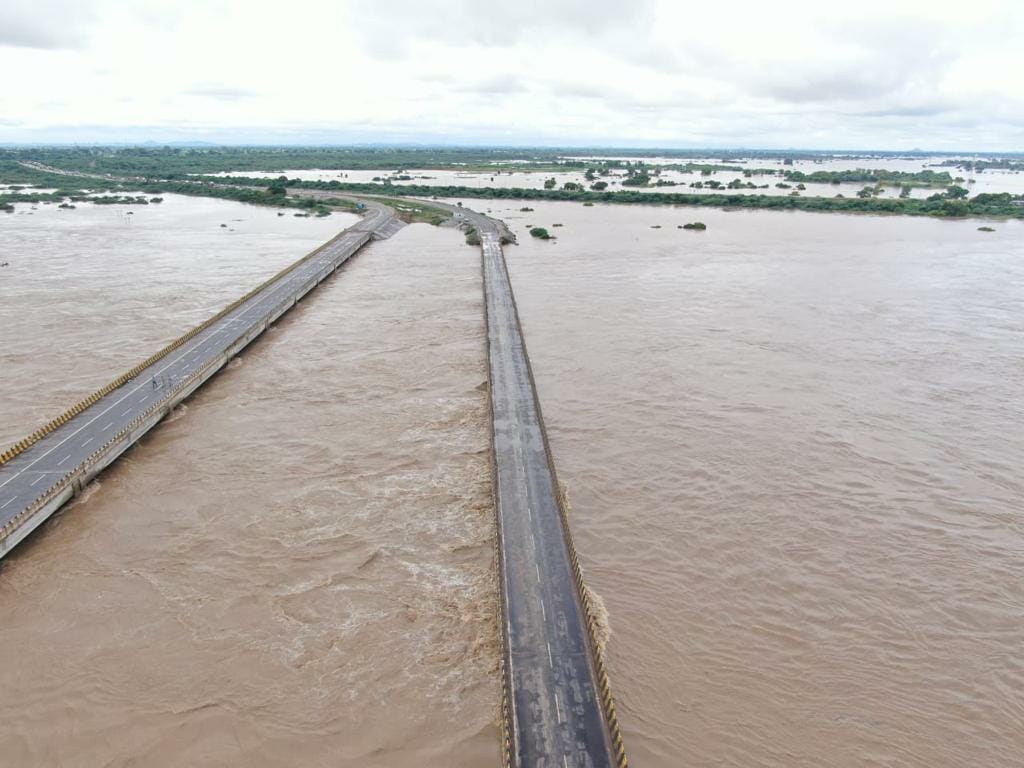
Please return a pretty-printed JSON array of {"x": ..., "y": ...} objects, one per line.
[{"x": 91, "y": 399}]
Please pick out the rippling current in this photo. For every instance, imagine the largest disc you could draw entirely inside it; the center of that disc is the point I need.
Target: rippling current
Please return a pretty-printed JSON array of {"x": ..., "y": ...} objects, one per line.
[
  {"x": 296, "y": 567},
  {"x": 792, "y": 445}
]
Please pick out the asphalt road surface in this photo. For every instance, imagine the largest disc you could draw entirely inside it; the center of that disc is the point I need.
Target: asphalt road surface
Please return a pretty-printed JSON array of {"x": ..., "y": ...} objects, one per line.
[
  {"x": 44, "y": 465},
  {"x": 557, "y": 717}
]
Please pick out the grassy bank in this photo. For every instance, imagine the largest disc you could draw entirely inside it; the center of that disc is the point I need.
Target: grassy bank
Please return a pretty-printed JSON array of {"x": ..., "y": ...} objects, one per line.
[{"x": 414, "y": 211}]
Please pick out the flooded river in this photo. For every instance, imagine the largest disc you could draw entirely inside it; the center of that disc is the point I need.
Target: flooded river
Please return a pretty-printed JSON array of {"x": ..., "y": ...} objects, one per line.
[
  {"x": 90, "y": 292},
  {"x": 792, "y": 445},
  {"x": 295, "y": 568}
]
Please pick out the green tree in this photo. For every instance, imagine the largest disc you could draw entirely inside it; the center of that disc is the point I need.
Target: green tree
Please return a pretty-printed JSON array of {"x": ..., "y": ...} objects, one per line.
[
  {"x": 279, "y": 186},
  {"x": 636, "y": 178}
]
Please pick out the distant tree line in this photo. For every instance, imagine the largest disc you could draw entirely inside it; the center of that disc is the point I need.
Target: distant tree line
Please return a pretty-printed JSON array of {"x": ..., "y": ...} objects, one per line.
[
  {"x": 941, "y": 205},
  {"x": 863, "y": 175}
]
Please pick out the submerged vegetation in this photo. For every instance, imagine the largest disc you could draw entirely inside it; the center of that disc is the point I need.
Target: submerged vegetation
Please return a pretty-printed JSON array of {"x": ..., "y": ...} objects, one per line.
[
  {"x": 33, "y": 186},
  {"x": 941, "y": 204},
  {"x": 980, "y": 165},
  {"x": 128, "y": 173}
]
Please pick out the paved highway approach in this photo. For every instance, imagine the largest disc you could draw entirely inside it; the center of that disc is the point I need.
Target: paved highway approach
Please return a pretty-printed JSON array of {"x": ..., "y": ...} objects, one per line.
[
  {"x": 37, "y": 481},
  {"x": 558, "y": 710}
]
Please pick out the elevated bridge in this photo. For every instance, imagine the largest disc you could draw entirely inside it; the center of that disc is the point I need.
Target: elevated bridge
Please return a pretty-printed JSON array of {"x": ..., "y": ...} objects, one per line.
[
  {"x": 41, "y": 472},
  {"x": 557, "y": 706}
]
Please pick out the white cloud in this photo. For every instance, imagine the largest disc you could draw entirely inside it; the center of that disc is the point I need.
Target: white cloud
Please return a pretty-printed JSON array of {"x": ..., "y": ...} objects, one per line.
[
  {"x": 869, "y": 74},
  {"x": 45, "y": 24}
]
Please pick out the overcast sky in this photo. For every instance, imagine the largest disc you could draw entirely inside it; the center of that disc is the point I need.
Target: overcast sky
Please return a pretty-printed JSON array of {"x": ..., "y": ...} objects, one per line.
[{"x": 858, "y": 75}]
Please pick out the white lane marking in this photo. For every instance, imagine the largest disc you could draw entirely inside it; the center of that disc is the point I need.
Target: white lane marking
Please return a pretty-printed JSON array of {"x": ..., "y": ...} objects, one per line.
[
  {"x": 108, "y": 426},
  {"x": 558, "y": 708},
  {"x": 551, "y": 662},
  {"x": 64, "y": 459},
  {"x": 543, "y": 610},
  {"x": 126, "y": 411},
  {"x": 8, "y": 502},
  {"x": 565, "y": 761},
  {"x": 200, "y": 339},
  {"x": 537, "y": 566},
  {"x": 87, "y": 442},
  {"x": 38, "y": 479}
]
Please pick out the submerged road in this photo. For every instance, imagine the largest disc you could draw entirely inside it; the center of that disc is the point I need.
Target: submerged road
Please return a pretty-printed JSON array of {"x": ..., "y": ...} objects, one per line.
[
  {"x": 558, "y": 709},
  {"x": 34, "y": 483}
]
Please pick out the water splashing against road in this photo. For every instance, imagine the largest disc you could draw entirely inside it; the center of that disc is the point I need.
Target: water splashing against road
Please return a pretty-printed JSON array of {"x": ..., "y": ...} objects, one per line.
[
  {"x": 793, "y": 443},
  {"x": 297, "y": 569}
]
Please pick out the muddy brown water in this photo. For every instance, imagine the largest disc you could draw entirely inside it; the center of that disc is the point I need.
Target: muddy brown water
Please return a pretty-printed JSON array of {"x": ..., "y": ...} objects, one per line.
[
  {"x": 90, "y": 292},
  {"x": 296, "y": 567},
  {"x": 791, "y": 444}
]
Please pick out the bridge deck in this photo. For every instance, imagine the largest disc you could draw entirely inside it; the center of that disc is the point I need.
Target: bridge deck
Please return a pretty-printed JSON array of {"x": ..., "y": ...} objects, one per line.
[
  {"x": 39, "y": 479},
  {"x": 558, "y": 705}
]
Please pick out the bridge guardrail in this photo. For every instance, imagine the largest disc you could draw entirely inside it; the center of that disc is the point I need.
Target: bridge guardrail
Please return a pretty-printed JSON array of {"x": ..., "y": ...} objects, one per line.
[
  {"x": 134, "y": 424},
  {"x": 26, "y": 442},
  {"x": 596, "y": 651}
]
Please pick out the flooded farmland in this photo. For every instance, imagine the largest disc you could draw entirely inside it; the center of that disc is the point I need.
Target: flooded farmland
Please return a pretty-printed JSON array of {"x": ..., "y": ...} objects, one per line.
[{"x": 715, "y": 182}]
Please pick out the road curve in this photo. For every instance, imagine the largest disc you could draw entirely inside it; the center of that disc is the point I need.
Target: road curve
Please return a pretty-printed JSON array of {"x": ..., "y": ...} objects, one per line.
[
  {"x": 558, "y": 709},
  {"x": 55, "y": 467}
]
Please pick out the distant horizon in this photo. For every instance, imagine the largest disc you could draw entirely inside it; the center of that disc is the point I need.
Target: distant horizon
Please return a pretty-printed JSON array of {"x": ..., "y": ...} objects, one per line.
[{"x": 426, "y": 144}]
